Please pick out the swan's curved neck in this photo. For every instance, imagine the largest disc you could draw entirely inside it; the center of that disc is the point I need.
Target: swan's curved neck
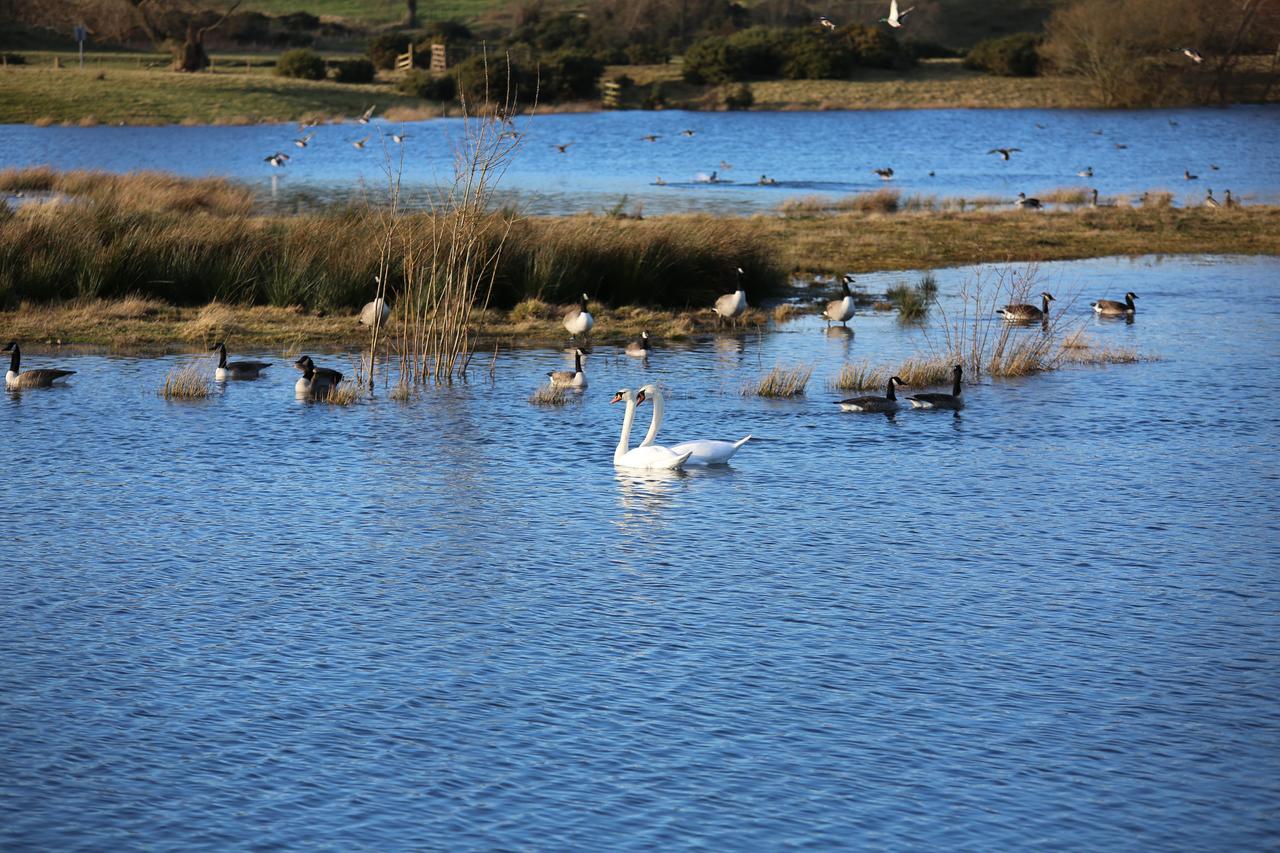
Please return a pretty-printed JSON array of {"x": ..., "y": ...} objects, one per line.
[
  {"x": 656, "y": 422},
  {"x": 624, "y": 440},
  {"x": 15, "y": 360}
]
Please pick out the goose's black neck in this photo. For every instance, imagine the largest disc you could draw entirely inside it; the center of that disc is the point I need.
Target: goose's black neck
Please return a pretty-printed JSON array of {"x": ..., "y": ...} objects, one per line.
[
  {"x": 577, "y": 361},
  {"x": 889, "y": 395},
  {"x": 584, "y": 303},
  {"x": 1128, "y": 301},
  {"x": 845, "y": 285},
  {"x": 955, "y": 386},
  {"x": 222, "y": 356},
  {"x": 15, "y": 359},
  {"x": 1044, "y": 300}
]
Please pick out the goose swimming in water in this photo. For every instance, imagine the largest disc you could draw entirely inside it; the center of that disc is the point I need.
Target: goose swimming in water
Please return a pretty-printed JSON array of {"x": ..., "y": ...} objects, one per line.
[
  {"x": 1187, "y": 176},
  {"x": 578, "y": 321},
  {"x": 1087, "y": 173},
  {"x": 235, "y": 369},
  {"x": 651, "y": 137},
  {"x": 1028, "y": 203},
  {"x": 941, "y": 400},
  {"x": 872, "y": 402},
  {"x": 17, "y": 378},
  {"x": 570, "y": 378},
  {"x": 1004, "y": 152},
  {"x": 886, "y": 174},
  {"x": 701, "y": 452},
  {"x": 640, "y": 348},
  {"x": 840, "y": 310},
  {"x": 316, "y": 382},
  {"x": 649, "y": 457},
  {"x": 731, "y": 305},
  {"x": 895, "y": 17},
  {"x": 1113, "y": 308},
  {"x": 1023, "y": 313}
]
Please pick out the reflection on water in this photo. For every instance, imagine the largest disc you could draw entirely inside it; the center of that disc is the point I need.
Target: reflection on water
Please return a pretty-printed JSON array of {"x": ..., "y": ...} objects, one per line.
[
  {"x": 451, "y": 622},
  {"x": 939, "y": 153}
]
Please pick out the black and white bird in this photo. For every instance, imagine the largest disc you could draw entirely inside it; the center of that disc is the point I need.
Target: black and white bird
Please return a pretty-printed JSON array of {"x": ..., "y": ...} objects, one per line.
[
  {"x": 1209, "y": 200},
  {"x": 575, "y": 378},
  {"x": 1190, "y": 53},
  {"x": 368, "y": 114},
  {"x": 578, "y": 321},
  {"x": 399, "y": 138},
  {"x": 1229, "y": 201},
  {"x": 1110, "y": 307},
  {"x": 886, "y": 174},
  {"x": 824, "y": 21},
  {"x": 1028, "y": 203},
  {"x": 1004, "y": 152},
  {"x": 731, "y": 305},
  {"x": 687, "y": 132},
  {"x": 277, "y": 159},
  {"x": 942, "y": 400},
  {"x": 872, "y": 402},
  {"x": 1024, "y": 313},
  {"x": 358, "y": 144},
  {"x": 1087, "y": 173},
  {"x": 840, "y": 310},
  {"x": 894, "y": 19},
  {"x": 316, "y": 382},
  {"x": 18, "y": 378},
  {"x": 235, "y": 369},
  {"x": 640, "y": 347},
  {"x": 302, "y": 141}
]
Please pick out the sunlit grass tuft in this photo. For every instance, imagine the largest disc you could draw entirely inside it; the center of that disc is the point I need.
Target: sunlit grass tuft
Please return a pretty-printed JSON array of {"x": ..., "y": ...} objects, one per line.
[
  {"x": 786, "y": 311},
  {"x": 859, "y": 376},
  {"x": 781, "y": 382},
  {"x": 343, "y": 394},
  {"x": 548, "y": 395},
  {"x": 186, "y": 383}
]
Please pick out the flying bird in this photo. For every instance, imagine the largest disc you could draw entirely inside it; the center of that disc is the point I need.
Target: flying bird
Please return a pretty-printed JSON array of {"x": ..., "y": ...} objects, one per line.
[
  {"x": 561, "y": 148},
  {"x": 652, "y": 137},
  {"x": 823, "y": 20},
  {"x": 886, "y": 174},
  {"x": 359, "y": 143},
  {"x": 687, "y": 132},
  {"x": 398, "y": 138},
  {"x": 1190, "y": 53},
  {"x": 895, "y": 17},
  {"x": 368, "y": 114},
  {"x": 1004, "y": 152},
  {"x": 302, "y": 141},
  {"x": 277, "y": 159},
  {"x": 725, "y": 165}
]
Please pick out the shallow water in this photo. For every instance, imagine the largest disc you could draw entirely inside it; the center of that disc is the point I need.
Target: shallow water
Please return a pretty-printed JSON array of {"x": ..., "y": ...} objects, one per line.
[
  {"x": 809, "y": 153},
  {"x": 1049, "y": 620}
]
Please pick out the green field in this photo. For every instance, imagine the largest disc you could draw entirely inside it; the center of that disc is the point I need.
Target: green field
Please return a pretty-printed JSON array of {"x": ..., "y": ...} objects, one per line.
[{"x": 373, "y": 11}]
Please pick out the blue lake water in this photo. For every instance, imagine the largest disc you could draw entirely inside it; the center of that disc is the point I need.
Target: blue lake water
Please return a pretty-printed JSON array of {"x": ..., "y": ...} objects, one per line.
[
  {"x": 1047, "y": 621},
  {"x": 828, "y": 154}
]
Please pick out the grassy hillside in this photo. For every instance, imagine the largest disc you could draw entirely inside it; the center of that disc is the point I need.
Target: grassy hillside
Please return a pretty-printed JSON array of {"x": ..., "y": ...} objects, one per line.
[{"x": 372, "y": 11}]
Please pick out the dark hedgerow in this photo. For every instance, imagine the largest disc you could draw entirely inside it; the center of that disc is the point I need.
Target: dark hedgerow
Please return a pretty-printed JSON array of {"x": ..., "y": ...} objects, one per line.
[{"x": 301, "y": 63}]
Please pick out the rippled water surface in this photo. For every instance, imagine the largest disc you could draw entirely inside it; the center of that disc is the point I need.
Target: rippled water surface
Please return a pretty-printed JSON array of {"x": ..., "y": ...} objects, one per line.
[
  {"x": 1048, "y": 621},
  {"x": 828, "y": 154}
]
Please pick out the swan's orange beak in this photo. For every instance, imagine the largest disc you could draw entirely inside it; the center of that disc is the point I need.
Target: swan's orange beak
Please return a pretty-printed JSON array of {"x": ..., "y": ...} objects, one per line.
[
  {"x": 640, "y": 398},
  {"x": 617, "y": 398}
]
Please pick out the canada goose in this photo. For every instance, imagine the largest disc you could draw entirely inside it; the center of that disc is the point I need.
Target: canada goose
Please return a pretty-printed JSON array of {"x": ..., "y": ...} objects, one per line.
[
  {"x": 766, "y": 181},
  {"x": 687, "y": 132},
  {"x": 302, "y": 141},
  {"x": 731, "y": 305},
  {"x": 277, "y": 159},
  {"x": 235, "y": 369},
  {"x": 1120, "y": 146},
  {"x": 1190, "y": 53},
  {"x": 316, "y": 382},
  {"x": 1004, "y": 152},
  {"x": 895, "y": 17},
  {"x": 840, "y": 310},
  {"x": 399, "y": 138},
  {"x": 940, "y": 400},
  {"x": 1214, "y": 167},
  {"x": 1186, "y": 175},
  {"x": 359, "y": 143},
  {"x": 570, "y": 378},
  {"x": 1028, "y": 203},
  {"x": 1093, "y": 197},
  {"x": 886, "y": 174},
  {"x": 824, "y": 21},
  {"x": 1026, "y": 313},
  {"x": 1209, "y": 200},
  {"x": 873, "y": 403},
  {"x": 1229, "y": 201},
  {"x": 640, "y": 348},
  {"x": 652, "y": 137},
  {"x": 561, "y": 148},
  {"x": 579, "y": 320},
  {"x": 1110, "y": 306},
  {"x": 1087, "y": 173},
  {"x": 16, "y": 378},
  {"x": 368, "y": 114}
]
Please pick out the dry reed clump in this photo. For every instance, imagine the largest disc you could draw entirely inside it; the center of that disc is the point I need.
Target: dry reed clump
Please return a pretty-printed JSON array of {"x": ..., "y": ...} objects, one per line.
[
  {"x": 529, "y": 310},
  {"x": 1077, "y": 348},
  {"x": 786, "y": 311},
  {"x": 1158, "y": 199},
  {"x": 859, "y": 376},
  {"x": 155, "y": 191},
  {"x": 215, "y": 321},
  {"x": 548, "y": 395},
  {"x": 401, "y": 393},
  {"x": 130, "y": 308},
  {"x": 921, "y": 372},
  {"x": 781, "y": 382},
  {"x": 1064, "y": 195},
  {"x": 343, "y": 394},
  {"x": 186, "y": 383}
]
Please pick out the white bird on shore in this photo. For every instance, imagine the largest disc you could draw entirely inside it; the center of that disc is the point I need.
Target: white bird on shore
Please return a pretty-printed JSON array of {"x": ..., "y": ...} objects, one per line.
[
  {"x": 1209, "y": 200},
  {"x": 731, "y": 305},
  {"x": 824, "y": 21},
  {"x": 840, "y": 310},
  {"x": 895, "y": 17},
  {"x": 578, "y": 321}
]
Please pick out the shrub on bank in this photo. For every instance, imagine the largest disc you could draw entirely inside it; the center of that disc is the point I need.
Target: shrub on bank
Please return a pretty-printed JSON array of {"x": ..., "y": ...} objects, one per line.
[
  {"x": 302, "y": 64},
  {"x": 1009, "y": 56},
  {"x": 353, "y": 71},
  {"x": 428, "y": 86},
  {"x": 803, "y": 53}
]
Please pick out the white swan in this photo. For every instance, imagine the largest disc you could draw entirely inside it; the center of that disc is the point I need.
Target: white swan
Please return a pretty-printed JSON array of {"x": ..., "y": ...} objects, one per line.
[
  {"x": 703, "y": 451},
  {"x": 895, "y": 17},
  {"x": 652, "y": 457}
]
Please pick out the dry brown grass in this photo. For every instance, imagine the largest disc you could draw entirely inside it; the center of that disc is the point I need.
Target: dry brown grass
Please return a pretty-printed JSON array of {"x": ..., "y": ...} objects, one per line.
[
  {"x": 1064, "y": 195},
  {"x": 786, "y": 311},
  {"x": 859, "y": 376},
  {"x": 186, "y": 383},
  {"x": 1078, "y": 348},
  {"x": 921, "y": 372},
  {"x": 548, "y": 395},
  {"x": 343, "y": 394},
  {"x": 781, "y": 382},
  {"x": 156, "y": 191}
]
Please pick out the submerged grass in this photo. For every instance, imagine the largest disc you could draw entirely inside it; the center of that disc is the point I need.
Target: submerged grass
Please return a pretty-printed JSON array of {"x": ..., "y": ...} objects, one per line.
[
  {"x": 190, "y": 382},
  {"x": 549, "y": 395},
  {"x": 781, "y": 382}
]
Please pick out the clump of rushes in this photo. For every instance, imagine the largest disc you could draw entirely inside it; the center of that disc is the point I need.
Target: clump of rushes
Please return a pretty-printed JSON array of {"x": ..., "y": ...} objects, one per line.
[
  {"x": 1064, "y": 195},
  {"x": 548, "y": 395},
  {"x": 919, "y": 372},
  {"x": 785, "y": 311},
  {"x": 343, "y": 394},
  {"x": 859, "y": 376},
  {"x": 781, "y": 382},
  {"x": 913, "y": 302},
  {"x": 186, "y": 383},
  {"x": 1077, "y": 348},
  {"x": 400, "y": 393}
]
